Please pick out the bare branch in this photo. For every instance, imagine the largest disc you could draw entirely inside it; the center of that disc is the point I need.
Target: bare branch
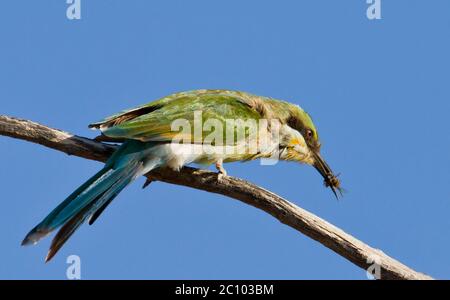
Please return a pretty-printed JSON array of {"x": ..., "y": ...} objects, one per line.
[{"x": 314, "y": 227}]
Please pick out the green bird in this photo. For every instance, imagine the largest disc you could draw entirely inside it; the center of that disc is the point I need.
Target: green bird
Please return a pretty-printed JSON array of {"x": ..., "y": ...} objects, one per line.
[{"x": 201, "y": 126}]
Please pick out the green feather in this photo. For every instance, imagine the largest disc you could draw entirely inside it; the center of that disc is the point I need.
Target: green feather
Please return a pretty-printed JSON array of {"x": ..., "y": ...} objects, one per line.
[{"x": 152, "y": 121}]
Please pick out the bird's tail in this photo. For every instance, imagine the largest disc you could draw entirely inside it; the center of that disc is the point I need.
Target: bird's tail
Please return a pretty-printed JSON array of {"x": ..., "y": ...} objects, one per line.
[{"x": 91, "y": 198}]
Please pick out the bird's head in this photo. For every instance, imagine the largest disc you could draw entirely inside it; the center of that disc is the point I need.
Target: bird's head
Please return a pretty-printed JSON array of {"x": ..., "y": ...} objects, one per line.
[{"x": 301, "y": 143}]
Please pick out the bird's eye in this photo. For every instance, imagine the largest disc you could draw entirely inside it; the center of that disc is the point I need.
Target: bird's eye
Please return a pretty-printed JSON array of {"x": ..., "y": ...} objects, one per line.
[{"x": 309, "y": 133}]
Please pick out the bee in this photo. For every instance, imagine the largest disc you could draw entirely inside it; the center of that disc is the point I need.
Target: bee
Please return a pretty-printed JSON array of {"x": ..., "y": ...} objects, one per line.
[{"x": 332, "y": 181}]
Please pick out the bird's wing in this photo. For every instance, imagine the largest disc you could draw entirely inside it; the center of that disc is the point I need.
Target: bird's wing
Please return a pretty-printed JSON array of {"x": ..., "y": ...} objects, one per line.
[{"x": 153, "y": 121}]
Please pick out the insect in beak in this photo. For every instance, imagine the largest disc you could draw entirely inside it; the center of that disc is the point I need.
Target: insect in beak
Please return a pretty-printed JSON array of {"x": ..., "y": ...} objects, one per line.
[{"x": 330, "y": 180}]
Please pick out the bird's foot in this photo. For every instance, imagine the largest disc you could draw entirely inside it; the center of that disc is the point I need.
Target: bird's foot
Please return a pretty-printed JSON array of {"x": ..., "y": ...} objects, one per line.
[{"x": 221, "y": 169}]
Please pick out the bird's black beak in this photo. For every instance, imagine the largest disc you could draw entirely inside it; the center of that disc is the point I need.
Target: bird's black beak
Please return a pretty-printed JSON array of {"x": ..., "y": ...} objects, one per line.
[{"x": 330, "y": 180}]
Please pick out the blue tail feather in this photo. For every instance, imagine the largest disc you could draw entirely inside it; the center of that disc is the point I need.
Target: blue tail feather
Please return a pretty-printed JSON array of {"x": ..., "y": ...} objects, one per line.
[
  {"x": 91, "y": 198},
  {"x": 82, "y": 214}
]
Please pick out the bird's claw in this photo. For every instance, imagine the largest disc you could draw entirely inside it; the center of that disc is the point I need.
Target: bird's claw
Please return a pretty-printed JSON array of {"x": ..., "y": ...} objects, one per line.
[
  {"x": 222, "y": 172},
  {"x": 221, "y": 175}
]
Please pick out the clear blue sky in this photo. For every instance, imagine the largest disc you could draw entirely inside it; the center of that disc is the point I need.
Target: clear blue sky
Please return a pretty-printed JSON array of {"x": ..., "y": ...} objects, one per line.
[{"x": 377, "y": 90}]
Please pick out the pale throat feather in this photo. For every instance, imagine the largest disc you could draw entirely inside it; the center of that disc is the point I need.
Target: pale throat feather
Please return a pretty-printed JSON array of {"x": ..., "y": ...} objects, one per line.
[{"x": 295, "y": 147}]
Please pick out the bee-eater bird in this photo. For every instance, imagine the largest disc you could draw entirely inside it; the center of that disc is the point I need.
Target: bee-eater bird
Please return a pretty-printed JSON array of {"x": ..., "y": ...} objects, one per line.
[{"x": 148, "y": 134}]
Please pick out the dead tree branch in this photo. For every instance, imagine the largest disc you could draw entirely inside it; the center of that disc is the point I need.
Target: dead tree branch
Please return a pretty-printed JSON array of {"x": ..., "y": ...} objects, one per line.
[{"x": 314, "y": 227}]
